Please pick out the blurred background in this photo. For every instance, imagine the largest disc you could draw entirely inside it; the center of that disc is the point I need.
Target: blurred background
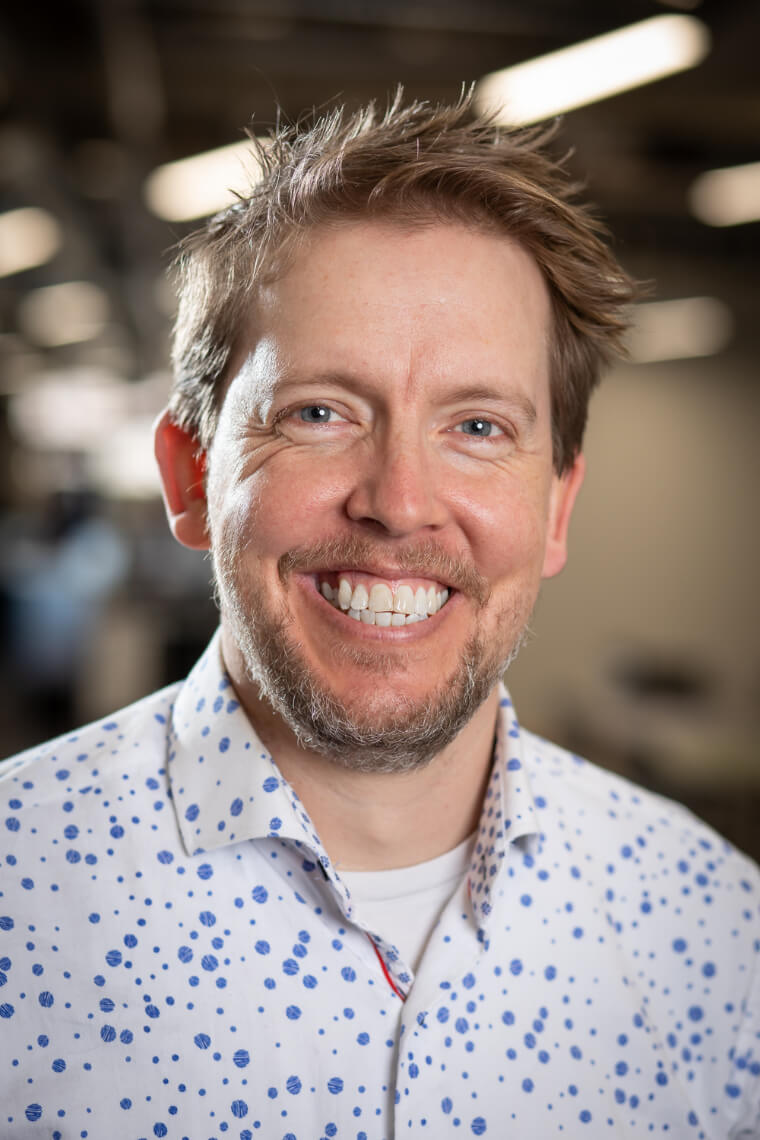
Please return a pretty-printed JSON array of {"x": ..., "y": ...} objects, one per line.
[{"x": 645, "y": 655}]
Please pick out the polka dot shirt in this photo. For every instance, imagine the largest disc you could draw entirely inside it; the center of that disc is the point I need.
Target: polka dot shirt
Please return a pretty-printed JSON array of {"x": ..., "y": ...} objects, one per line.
[{"x": 179, "y": 958}]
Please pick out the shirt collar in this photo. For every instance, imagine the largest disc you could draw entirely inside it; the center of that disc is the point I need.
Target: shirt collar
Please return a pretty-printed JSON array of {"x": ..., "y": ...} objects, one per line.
[
  {"x": 227, "y": 788},
  {"x": 508, "y": 811}
]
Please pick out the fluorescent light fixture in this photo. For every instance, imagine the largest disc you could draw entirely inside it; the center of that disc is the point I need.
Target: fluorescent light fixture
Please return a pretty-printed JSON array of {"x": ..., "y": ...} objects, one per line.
[
  {"x": 676, "y": 330},
  {"x": 594, "y": 69},
  {"x": 124, "y": 466},
  {"x": 92, "y": 412},
  {"x": 198, "y": 186},
  {"x": 727, "y": 197},
  {"x": 28, "y": 237},
  {"x": 71, "y": 410},
  {"x": 63, "y": 314}
]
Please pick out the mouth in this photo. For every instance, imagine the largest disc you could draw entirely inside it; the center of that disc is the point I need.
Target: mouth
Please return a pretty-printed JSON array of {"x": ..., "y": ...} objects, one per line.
[{"x": 374, "y": 600}]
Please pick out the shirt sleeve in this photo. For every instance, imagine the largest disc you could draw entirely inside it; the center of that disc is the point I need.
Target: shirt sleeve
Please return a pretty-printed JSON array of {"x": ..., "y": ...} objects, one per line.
[{"x": 744, "y": 1083}]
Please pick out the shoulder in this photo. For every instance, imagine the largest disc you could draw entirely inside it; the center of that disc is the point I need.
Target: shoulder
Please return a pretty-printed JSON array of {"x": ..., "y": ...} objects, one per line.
[
  {"x": 629, "y": 824},
  {"x": 67, "y": 765}
]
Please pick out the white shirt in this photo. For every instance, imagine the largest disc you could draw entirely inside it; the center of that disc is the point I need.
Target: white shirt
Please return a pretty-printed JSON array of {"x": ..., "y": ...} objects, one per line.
[{"x": 179, "y": 957}]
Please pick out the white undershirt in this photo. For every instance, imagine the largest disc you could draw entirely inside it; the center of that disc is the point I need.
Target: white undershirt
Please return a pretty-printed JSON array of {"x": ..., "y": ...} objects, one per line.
[{"x": 403, "y": 905}]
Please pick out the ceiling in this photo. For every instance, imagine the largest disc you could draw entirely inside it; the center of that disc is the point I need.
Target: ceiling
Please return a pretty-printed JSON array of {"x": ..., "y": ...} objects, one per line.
[{"x": 94, "y": 95}]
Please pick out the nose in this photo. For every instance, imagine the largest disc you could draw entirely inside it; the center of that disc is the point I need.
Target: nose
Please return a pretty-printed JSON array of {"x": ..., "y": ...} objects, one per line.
[{"x": 396, "y": 490}]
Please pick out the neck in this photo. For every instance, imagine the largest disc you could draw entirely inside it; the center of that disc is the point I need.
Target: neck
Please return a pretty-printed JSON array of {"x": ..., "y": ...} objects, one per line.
[{"x": 379, "y": 821}]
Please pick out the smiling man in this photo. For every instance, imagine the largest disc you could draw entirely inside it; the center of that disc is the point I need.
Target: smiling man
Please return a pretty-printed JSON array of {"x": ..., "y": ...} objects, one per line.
[{"x": 328, "y": 886}]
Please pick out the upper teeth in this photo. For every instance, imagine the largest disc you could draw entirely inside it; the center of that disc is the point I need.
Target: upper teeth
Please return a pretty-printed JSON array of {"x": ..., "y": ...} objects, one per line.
[{"x": 382, "y": 606}]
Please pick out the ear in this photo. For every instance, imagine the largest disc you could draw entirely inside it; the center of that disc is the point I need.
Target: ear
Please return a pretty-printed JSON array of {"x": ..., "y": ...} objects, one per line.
[
  {"x": 183, "y": 470},
  {"x": 562, "y": 499}
]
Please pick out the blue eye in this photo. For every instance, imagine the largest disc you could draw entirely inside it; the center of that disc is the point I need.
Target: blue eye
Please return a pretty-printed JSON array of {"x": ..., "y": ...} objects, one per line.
[
  {"x": 478, "y": 428},
  {"x": 315, "y": 414}
]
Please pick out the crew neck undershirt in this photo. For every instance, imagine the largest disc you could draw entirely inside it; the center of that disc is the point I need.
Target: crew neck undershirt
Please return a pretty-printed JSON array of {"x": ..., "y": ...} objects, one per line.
[{"x": 403, "y": 905}]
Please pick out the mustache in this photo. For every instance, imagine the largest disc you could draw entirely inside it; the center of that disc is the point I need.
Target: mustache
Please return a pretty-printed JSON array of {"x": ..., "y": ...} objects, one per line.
[{"x": 422, "y": 560}]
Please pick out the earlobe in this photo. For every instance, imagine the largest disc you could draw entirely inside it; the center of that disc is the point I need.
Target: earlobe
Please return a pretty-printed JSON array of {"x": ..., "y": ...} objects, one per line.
[
  {"x": 564, "y": 491},
  {"x": 182, "y": 469}
]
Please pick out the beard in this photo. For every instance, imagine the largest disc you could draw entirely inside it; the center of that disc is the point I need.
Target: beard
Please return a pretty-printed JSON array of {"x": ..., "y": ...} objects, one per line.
[{"x": 394, "y": 732}]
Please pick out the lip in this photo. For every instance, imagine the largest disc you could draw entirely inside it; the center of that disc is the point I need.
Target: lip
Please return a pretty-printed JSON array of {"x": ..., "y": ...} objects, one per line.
[{"x": 399, "y": 633}]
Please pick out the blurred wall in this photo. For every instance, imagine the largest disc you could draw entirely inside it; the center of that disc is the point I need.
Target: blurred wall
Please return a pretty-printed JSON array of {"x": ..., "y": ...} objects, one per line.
[{"x": 645, "y": 649}]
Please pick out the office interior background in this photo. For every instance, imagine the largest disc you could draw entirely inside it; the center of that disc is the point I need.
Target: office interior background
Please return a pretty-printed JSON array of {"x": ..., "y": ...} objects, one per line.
[{"x": 644, "y": 654}]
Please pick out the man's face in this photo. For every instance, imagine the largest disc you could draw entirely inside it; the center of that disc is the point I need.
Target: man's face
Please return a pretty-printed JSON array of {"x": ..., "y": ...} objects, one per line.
[{"x": 384, "y": 454}]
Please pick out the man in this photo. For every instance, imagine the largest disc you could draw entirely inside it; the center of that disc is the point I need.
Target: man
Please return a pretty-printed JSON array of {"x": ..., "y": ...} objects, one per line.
[{"x": 327, "y": 886}]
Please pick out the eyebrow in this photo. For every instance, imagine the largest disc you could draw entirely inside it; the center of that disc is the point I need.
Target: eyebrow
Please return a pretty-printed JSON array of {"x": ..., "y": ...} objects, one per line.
[{"x": 478, "y": 392}]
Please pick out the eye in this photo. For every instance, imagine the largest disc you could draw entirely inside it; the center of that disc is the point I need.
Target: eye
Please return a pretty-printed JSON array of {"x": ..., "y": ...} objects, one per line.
[
  {"x": 300, "y": 417},
  {"x": 315, "y": 414},
  {"x": 479, "y": 428}
]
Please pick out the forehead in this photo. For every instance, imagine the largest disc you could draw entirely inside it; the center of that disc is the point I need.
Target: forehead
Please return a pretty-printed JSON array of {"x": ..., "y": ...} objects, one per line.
[{"x": 393, "y": 304}]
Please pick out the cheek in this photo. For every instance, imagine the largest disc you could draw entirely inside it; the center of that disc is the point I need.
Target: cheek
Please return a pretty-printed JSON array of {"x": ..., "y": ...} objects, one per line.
[
  {"x": 290, "y": 501},
  {"x": 506, "y": 527}
]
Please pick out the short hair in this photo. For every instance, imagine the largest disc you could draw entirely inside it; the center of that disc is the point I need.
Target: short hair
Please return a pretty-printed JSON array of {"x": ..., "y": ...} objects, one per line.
[{"x": 414, "y": 164}]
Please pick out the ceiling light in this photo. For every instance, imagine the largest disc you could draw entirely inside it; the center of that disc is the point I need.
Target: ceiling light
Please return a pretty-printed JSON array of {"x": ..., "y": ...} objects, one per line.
[
  {"x": 63, "y": 314},
  {"x": 71, "y": 410},
  {"x": 198, "y": 186},
  {"x": 594, "y": 69},
  {"x": 90, "y": 410},
  {"x": 727, "y": 197},
  {"x": 93, "y": 413},
  {"x": 28, "y": 237},
  {"x": 675, "y": 330},
  {"x": 124, "y": 466}
]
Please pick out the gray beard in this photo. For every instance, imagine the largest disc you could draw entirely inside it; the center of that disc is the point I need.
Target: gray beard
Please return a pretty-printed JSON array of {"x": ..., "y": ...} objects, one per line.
[{"x": 401, "y": 735}]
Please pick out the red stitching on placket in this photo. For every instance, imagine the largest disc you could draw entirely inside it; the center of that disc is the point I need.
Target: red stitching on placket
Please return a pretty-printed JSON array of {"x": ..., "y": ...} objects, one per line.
[{"x": 388, "y": 978}]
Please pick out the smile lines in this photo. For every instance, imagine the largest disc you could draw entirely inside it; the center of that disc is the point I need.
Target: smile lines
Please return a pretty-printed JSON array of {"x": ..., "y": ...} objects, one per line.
[{"x": 382, "y": 606}]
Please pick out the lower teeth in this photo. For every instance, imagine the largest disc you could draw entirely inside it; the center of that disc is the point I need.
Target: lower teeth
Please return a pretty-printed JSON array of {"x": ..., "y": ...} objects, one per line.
[{"x": 382, "y": 617}]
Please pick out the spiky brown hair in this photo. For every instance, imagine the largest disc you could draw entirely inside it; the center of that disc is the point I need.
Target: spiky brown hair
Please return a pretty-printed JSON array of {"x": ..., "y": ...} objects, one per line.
[{"x": 414, "y": 164}]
